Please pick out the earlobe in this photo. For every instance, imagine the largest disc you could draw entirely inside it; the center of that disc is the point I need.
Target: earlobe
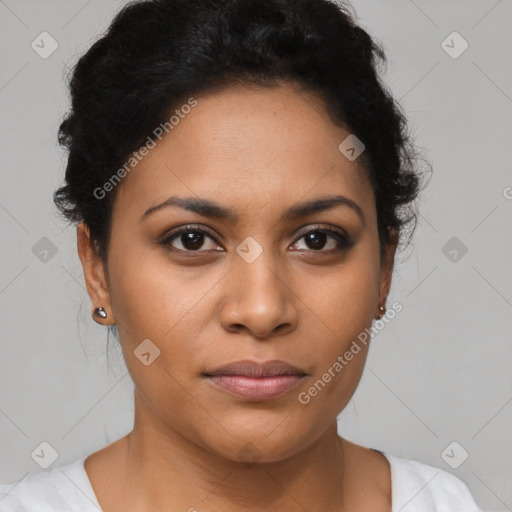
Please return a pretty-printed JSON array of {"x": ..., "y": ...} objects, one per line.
[
  {"x": 382, "y": 310},
  {"x": 94, "y": 275}
]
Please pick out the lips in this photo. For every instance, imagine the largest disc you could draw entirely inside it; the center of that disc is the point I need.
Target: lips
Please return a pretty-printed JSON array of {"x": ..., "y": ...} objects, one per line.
[
  {"x": 255, "y": 381},
  {"x": 254, "y": 369}
]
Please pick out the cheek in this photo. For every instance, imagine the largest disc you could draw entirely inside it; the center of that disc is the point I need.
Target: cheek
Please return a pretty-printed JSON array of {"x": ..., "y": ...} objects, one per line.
[
  {"x": 327, "y": 393},
  {"x": 151, "y": 298},
  {"x": 152, "y": 303},
  {"x": 342, "y": 305},
  {"x": 341, "y": 350},
  {"x": 342, "y": 298},
  {"x": 170, "y": 306}
]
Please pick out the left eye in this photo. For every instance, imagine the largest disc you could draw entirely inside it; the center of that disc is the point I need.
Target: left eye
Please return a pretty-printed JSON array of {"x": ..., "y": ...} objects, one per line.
[{"x": 317, "y": 239}]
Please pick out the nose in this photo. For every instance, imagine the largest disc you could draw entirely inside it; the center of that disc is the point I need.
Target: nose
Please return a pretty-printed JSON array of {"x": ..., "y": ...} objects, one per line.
[{"x": 258, "y": 299}]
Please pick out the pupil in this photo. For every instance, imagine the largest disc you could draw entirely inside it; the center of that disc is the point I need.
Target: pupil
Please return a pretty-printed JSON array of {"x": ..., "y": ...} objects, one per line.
[
  {"x": 192, "y": 240},
  {"x": 313, "y": 238}
]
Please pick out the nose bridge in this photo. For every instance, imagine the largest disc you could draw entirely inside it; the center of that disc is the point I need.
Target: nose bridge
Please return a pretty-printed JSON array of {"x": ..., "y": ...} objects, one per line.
[{"x": 257, "y": 271}]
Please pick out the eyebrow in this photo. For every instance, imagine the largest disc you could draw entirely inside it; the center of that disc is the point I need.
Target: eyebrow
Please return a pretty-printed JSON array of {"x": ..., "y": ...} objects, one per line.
[{"x": 208, "y": 208}]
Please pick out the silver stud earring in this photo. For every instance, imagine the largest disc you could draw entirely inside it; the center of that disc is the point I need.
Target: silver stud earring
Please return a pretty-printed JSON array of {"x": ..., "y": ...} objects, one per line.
[{"x": 100, "y": 312}]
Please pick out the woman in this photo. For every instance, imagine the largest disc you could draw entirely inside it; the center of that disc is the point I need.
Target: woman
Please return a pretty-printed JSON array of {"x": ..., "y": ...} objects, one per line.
[{"x": 241, "y": 181}]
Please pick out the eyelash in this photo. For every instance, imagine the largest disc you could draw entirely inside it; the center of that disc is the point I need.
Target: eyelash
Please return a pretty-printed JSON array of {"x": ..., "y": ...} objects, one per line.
[{"x": 344, "y": 242}]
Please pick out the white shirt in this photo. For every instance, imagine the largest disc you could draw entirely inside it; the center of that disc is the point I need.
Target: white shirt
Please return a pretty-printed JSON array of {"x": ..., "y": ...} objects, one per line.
[{"x": 415, "y": 487}]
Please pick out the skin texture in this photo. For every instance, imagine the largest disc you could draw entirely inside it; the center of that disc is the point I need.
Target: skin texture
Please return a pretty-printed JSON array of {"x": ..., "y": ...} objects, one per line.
[{"x": 257, "y": 152}]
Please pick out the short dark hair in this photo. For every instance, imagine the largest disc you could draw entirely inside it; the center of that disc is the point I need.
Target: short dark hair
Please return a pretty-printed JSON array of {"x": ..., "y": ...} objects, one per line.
[{"x": 156, "y": 53}]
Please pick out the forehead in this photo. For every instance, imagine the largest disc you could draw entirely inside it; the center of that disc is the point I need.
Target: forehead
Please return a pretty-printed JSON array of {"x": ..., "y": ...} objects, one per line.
[{"x": 247, "y": 147}]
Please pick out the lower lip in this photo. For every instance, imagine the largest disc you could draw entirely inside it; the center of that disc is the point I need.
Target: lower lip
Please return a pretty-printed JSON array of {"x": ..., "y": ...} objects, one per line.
[{"x": 256, "y": 388}]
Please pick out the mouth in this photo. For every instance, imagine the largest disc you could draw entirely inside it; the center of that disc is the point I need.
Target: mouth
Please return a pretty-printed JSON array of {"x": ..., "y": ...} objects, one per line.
[{"x": 255, "y": 381}]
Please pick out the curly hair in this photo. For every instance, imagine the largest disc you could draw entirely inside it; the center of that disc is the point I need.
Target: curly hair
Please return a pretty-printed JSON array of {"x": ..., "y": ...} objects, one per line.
[{"x": 156, "y": 53}]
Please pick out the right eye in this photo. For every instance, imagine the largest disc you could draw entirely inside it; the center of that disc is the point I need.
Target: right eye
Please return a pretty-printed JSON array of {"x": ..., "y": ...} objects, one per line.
[{"x": 190, "y": 237}]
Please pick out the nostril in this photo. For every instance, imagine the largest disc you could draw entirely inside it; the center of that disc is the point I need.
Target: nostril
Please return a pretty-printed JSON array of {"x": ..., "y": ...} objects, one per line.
[{"x": 281, "y": 327}]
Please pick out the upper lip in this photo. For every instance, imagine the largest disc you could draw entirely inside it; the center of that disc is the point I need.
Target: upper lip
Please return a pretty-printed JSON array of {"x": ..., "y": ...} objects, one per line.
[{"x": 249, "y": 368}]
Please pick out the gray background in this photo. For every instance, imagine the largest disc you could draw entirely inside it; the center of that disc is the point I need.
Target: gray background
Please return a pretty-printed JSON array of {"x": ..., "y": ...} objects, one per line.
[{"x": 439, "y": 372}]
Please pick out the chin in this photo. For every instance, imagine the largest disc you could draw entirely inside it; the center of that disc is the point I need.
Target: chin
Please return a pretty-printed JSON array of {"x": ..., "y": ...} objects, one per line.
[{"x": 255, "y": 447}]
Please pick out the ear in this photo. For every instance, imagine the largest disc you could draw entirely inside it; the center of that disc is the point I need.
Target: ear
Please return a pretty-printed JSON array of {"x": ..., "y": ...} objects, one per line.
[
  {"x": 94, "y": 273},
  {"x": 386, "y": 267}
]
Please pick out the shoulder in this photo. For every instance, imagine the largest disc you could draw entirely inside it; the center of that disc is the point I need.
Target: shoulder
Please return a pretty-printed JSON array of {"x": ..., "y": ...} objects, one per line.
[
  {"x": 420, "y": 487},
  {"x": 63, "y": 488}
]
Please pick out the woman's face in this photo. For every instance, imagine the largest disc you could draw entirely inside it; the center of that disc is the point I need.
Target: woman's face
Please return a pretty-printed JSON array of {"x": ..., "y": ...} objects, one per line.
[{"x": 261, "y": 285}]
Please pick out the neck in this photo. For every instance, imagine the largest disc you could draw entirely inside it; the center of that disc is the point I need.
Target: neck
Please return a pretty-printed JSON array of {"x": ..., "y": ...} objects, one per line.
[{"x": 165, "y": 468}]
